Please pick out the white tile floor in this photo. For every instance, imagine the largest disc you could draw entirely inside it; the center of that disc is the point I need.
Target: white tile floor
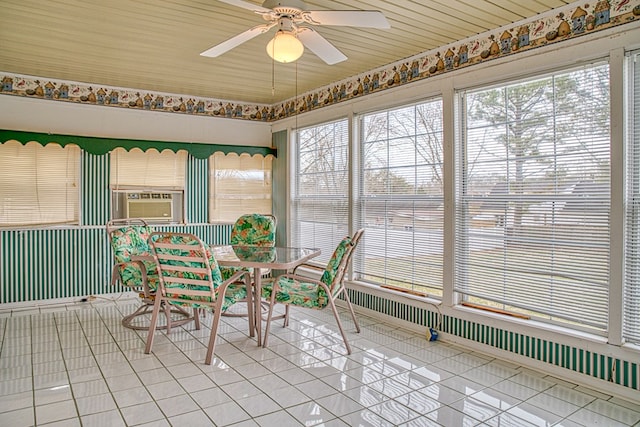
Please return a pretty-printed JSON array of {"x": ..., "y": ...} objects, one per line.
[{"x": 75, "y": 365}]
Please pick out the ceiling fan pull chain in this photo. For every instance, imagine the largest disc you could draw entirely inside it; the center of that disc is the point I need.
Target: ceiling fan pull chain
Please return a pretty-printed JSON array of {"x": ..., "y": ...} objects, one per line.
[{"x": 273, "y": 77}]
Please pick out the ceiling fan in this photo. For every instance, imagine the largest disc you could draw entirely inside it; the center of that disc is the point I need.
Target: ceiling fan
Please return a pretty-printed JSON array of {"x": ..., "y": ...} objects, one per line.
[{"x": 293, "y": 19}]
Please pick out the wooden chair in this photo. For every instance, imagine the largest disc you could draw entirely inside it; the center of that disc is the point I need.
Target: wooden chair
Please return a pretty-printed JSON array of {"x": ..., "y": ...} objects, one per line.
[
  {"x": 189, "y": 276},
  {"x": 301, "y": 291}
]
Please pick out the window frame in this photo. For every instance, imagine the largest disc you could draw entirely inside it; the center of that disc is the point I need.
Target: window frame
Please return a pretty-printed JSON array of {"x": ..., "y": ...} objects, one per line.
[
  {"x": 431, "y": 288},
  {"x": 337, "y": 229},
  {"x": 175, "y": 188},
  {"x": 462, "y": 224},
  {"x": 73, "y": 151},
  {"x": 213, "y": 188}
]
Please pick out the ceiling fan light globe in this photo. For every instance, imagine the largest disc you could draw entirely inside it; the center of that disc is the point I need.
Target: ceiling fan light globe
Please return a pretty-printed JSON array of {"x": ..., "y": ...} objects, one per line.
[{"x": 285, "y": 47}]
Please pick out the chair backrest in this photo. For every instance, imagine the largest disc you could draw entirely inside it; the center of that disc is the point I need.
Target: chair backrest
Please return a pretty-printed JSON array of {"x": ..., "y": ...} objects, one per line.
[
  {"x": 254, "y": 230},
  {"x": 187, "y": 269},
  {"x": 338, "y": 265},
  {"x": 129, "y": 237}
]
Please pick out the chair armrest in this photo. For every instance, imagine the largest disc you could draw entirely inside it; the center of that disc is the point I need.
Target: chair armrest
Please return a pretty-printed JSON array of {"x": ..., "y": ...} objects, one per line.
[
  {"x": 143, "y": 275},
  {"x": 237, "y": 275},
  {"x": 309, "y": 266}
]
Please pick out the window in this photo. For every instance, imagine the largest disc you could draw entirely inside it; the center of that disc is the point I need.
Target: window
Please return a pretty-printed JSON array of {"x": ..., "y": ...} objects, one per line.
[
  {"x": 240, "y": 184},
  {"x": 38, "y": 185},
  {"x": 148, "y": 184},
  {"x": 631, "y": 326},
  {"x": 402, "y": 198},
  {"x": 533, "y": 198},
  {"x": 319, "y": 211}
]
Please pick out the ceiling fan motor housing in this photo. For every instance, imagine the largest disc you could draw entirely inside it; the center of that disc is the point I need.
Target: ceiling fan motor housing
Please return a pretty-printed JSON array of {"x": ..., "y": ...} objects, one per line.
[{"x": 286, "y": 24}]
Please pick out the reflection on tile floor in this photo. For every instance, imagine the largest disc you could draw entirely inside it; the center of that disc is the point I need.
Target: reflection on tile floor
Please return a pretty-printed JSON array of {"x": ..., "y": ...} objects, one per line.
[{"x": 75, "y": 365}]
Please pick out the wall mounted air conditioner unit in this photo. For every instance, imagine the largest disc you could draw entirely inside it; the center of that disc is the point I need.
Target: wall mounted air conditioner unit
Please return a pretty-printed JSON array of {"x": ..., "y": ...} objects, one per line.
[{"x": 154, "y": 207}]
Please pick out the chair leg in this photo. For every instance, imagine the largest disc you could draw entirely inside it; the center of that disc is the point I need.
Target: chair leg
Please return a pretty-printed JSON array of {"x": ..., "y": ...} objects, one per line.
[
  {"x": 335, "y": 314},
  {"x": 251, "y": 310},
  {"x": 196, "y": 317},
  {"x": 286, "y": 316},
  {"x": 152, "y": 325},
  {"x": 267, "y": 327},
  {"x": 353, "y": 314},
  {"x": 167, "y": 314},
  {"x": 214, "y": 334}
]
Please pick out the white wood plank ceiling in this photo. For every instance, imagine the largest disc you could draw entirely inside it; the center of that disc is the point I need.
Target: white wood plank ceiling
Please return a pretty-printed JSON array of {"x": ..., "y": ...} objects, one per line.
[{"x": 154, "y": 45}]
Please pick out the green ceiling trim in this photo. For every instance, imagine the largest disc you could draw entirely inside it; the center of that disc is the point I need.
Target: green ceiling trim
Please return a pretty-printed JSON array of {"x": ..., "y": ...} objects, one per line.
[{"x": 95, "y": 145}]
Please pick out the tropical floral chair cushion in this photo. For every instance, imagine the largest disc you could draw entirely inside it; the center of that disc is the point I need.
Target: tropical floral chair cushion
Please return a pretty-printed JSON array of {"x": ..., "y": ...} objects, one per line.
[
  {"x": 234, "y": 293},
  {"x": 293, "y": 289},
  {"x": 127, "y": 242},
  {"x": 254, "y": 230},
  {"x": 251, "y": 230}
]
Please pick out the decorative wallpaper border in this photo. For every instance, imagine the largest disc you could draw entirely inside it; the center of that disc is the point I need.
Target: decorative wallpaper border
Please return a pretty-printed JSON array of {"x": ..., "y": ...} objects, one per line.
[{"x": 559, "y": 25}]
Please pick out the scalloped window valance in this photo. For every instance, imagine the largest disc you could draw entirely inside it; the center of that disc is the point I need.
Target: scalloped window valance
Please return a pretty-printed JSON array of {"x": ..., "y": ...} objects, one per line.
[{"x": 95, "y": 145}]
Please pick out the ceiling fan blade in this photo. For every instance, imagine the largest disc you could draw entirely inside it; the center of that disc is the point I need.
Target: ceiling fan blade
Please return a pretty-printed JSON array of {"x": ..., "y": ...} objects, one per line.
[
  {"x": 227, "y": 45},
  {"x": 246, "y": 5},
  {"x": 352, "y": 18},
  {"x": 320, "y": 46}
]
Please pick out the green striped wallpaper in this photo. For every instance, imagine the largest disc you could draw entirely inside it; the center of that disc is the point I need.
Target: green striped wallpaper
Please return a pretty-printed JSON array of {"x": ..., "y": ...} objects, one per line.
[
  {"x": 621, "y": 372},
  {"x": 69, "y": 262},
  {"x": 58, "y": 263},
  {"x": 96, "y": 207},
  {"x": 197, "y": 185}
]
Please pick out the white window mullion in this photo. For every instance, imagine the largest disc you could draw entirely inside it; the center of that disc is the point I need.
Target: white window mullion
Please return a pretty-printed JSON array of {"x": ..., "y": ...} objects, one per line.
[
  {"x": 616, "y": 280},
  {"x": 631, "y": 295}
]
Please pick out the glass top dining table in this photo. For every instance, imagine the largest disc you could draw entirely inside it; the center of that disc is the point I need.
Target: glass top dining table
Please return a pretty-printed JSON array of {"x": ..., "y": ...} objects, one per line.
[{"x": 258, "y": 258}]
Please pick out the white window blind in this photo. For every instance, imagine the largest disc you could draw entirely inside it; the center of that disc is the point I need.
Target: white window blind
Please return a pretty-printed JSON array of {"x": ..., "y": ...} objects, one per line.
[
  {"x": 402, "y": 198},
  {"x": 38, "y": 185},
  {"x": 533, "y": 198},
  {"x": 319, "y": 208},
  {"x": 239, "y": 184},
  {"x": 631, "y": 326},
  {"x": 137, "y": 169}
]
